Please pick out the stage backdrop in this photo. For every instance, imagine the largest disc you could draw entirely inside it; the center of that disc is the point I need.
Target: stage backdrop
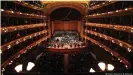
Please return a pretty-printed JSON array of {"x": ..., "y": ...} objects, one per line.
[{"x": 66, "y": 25}]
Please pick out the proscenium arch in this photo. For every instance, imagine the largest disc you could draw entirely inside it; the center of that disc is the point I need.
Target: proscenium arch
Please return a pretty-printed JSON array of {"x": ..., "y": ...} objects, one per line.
[{"x": 78, "y": 6}]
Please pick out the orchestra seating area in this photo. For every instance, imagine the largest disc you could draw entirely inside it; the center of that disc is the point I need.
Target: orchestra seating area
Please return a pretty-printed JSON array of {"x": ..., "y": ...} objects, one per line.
[{"x": 65, "y": 40}]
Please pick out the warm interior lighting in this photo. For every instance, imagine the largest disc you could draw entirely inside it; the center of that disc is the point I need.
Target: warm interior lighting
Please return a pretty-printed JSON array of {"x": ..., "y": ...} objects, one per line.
[
  {"x": 9, "y": 46},
  {"x": 129, "y": 50},
  {"x": 110, "y": 67},
  {"x": 64, "y": 0},
  {"x": 126, "y": 9},
  {"x": 131, "y": 29},
  {"x": 2, "y": 9},
  {"x": 92, "y": 70},
  {"x": 12, "y": 11},
  {"x": 18, "y": 68},
  {"x": 116, "y": 10},
  {"x": 102, "y": 66},
  {"x": 30, "y": 66},
  {"x": 0, "y": 51}
]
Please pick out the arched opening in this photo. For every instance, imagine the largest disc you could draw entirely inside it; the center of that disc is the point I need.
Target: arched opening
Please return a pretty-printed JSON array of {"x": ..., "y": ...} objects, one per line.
[{"x": 65, "y": 19}]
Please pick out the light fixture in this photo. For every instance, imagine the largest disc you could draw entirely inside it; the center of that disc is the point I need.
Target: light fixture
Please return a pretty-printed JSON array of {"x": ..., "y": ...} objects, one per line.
[
  {"x": 35, "y": 35},
  {"x": 24, "y": 39},
  {"x": 18, "y": 56},
  {"x": 132, "y": 30},
  {"x": 110, "y": 67},
  {"x": 18, "y": 68},
  {"x": 15, "y": 28},
  {"x": 129, "y": 50},
  {"x": 102, "y": 66},
  {"x": 2, "y": 9},
  {"x": 100, "y": 35},
  {"x": 120, "y": 60},
  {"x": 121, "y": 44},
  {"x": 123, "y": 28},
  {"x": 10, "y": 63},
  {"x": 113, "y": 41},
  {"x": 109, "y": 0},
  {"x": 20, "y": 13},
  {"x": 126, "y": 66},
  {"x": 103, "y": 3},
  {"x": 126, "y": 9},
  {"x": 30, "y": 37},
  {"x": 92, "y": 70},
  {"x": 103, "y": 13},
  {"x": 114, "y": 27},
  {"x": 19, "y": 0},
  {"x": 17, "y": 42},
  {"x": 109, "y": 12},
  {"x": 116, "y": 10},
  {"x": 0, "y": 51},
  {"x": 106, "y": 38},
  {"x": 12, "y": 11},
  {"x": 5, "y": 30},
  {"x": 9, "y": 46},
  {"x": 111, "y": 53}
]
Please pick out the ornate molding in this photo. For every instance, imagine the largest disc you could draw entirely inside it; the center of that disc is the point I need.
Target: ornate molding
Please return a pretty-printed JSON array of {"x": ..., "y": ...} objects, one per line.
[{"x": 53, "y": 6}]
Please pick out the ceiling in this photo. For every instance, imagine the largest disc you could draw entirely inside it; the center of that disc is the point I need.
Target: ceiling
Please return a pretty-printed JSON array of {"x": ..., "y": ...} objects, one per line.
[{"x": 51, "y": 5}]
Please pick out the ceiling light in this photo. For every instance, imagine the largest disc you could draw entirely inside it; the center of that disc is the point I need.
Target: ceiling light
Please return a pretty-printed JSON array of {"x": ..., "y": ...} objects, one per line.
[
  {"x": 102, "y": 66},
  {"x": 110, "y": 67},
  {"x": 18, "y": 68},
  {"x": 92, "y": 70}
]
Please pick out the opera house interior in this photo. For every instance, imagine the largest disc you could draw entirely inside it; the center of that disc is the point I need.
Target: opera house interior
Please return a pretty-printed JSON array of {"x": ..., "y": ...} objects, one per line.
[{"x": 67, "y": 37}]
